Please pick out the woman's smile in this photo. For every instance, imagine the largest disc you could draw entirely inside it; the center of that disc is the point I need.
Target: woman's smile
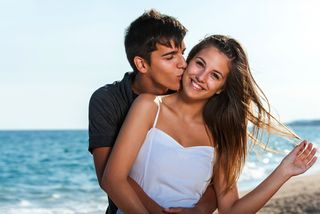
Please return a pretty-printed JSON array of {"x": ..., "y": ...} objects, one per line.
[{"x": 196, "y": 86}]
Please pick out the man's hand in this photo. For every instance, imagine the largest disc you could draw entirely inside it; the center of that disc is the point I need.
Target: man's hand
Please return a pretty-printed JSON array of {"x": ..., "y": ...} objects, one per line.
[
  {"x": 182, "y": 210},
  {"x": 206, "y": 204}
]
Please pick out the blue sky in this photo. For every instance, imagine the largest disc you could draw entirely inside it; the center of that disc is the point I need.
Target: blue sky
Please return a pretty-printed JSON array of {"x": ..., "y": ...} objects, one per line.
[{"x": 54, "y": 54}]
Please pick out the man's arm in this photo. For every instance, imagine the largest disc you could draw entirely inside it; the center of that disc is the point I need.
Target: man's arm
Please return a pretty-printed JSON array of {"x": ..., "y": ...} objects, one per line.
[
  {"x": 208, "y": 201},
  {"x": 100, "y": 158},
  {"x": 206, "y": 204}
]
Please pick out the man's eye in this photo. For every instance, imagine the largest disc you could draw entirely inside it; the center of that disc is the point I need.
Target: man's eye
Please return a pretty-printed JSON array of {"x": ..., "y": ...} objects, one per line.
[{"x": 169, "y": 57}]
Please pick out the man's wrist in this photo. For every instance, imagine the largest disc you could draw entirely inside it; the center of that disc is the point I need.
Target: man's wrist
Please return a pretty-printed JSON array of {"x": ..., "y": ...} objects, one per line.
[{"x": 199, "y": 209}]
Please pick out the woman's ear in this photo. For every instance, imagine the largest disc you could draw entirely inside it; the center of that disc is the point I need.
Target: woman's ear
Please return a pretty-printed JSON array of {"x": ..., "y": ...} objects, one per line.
[
  {"x": 221, "y": 89},
  {"x": 218, "y": 92},
  {"x": 141, "y": 64}
]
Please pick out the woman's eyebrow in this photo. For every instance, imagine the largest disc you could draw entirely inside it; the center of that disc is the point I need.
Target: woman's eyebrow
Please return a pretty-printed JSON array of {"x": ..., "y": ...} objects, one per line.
[
  {"x": 218, "y": 72},
  {"x": 198, "y": 57}
]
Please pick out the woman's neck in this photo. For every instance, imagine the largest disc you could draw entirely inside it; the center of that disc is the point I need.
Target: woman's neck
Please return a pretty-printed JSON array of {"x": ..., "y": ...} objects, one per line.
[{"x": 188, "y": 108}]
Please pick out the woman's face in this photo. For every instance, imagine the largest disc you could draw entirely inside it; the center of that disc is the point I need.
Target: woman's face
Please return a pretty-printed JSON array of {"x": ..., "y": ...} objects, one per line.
[{"x": 206, "y": 74}]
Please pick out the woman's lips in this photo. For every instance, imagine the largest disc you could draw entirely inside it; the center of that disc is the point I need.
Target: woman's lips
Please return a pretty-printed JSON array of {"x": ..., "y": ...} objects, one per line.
[{"x": 196, "y": 86}]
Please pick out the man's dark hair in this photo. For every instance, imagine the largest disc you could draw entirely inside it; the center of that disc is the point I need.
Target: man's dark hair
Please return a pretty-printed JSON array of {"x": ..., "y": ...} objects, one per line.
[{"x": 149, "y": 29}]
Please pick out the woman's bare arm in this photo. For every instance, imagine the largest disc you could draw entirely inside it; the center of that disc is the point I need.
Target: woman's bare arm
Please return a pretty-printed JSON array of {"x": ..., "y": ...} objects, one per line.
[
  {"x": 296, "y": 162},
  {"x": 127, "y": 146}
]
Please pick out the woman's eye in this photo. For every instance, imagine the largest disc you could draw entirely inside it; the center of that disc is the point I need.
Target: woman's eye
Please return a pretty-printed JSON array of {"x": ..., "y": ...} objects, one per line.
[
  {"x": 199, "y": 63},
  {"x": 215, "y": 76}
]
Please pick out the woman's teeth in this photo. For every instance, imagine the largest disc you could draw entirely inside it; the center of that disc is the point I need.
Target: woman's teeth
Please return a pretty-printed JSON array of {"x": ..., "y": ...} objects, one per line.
[{"x": 196, "y": 86}]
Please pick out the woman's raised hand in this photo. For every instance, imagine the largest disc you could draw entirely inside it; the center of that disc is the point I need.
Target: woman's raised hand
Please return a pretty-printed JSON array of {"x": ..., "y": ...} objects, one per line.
[{"x": 300, "y": 159}]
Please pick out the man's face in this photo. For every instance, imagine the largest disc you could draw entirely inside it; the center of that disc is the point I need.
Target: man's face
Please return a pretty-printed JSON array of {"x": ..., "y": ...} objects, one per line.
[{"x": 166, "y": 67}]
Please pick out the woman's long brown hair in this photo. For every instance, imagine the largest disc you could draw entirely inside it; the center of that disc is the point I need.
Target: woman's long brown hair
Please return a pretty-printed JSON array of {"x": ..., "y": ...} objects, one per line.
[{"x": 228, "y": 114}]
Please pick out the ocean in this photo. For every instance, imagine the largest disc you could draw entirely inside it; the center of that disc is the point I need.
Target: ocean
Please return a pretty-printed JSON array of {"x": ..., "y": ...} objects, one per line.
[{"x": 52, "y": 172}]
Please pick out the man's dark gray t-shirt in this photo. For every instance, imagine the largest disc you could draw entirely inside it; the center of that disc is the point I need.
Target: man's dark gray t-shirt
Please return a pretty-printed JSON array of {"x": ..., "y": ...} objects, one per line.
[{"x": 108, "y": 108}]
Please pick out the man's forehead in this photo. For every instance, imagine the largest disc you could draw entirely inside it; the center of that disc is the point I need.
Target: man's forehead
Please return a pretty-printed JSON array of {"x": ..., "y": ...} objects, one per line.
[{"x": 171, "y": 45}]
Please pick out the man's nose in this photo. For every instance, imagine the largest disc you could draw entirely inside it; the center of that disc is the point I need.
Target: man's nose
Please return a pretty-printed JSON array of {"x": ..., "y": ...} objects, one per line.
[{"x": 182, "y": 62}]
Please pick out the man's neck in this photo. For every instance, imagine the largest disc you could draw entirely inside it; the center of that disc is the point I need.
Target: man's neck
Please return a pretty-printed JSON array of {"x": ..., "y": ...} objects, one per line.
[{"x": 142, "y": 84}]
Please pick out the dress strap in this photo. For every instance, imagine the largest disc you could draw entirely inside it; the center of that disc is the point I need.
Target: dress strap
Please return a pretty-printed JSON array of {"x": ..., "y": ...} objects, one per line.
[{"x": 157, "y": 100}]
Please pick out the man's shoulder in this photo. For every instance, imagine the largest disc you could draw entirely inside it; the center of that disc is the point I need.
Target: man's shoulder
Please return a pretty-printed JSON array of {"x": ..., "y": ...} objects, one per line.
[
  {"x": 105, "y": 90},
  {"x": 117, "y": 90},
  {"x": 104, "y": 94}
]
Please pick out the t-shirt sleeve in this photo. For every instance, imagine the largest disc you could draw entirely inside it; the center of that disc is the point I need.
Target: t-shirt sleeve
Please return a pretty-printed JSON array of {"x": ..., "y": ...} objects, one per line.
[{"x": 102, "y": 117}]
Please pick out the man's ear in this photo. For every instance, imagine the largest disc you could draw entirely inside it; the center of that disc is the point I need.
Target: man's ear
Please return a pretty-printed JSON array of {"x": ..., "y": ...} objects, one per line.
[{"x": 141, "y": 64}]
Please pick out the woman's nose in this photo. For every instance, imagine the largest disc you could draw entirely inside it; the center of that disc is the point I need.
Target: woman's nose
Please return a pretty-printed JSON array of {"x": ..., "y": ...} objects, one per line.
[{"x": 201, "y": 76}]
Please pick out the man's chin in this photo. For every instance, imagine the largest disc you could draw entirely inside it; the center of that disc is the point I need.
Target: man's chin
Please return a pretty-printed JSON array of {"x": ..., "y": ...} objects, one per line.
[{"x": 173, "y": 89}]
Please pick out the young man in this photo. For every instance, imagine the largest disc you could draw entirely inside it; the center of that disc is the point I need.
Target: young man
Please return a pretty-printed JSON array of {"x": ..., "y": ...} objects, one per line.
[{"x": 154, "y": 47}]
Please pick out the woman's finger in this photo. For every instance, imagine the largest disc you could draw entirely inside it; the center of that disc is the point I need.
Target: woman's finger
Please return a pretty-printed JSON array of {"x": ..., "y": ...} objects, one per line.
[
  {"x": 309, "y": 147},
  {"x": 311, "y": 155},
  {"x": 299, "y": 148},
  {"x": 304, "y": 154},
  {"x": 313, "y": 160}
]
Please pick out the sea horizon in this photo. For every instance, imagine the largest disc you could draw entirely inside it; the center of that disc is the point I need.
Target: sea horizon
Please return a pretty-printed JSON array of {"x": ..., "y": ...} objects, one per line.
[{"x": 295, "y": 122}]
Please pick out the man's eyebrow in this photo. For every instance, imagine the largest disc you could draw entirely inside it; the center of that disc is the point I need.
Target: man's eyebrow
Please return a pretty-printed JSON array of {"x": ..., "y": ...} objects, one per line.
[
  {"x": 173, "y": 52},
  {"x": 170, "y": 53}
]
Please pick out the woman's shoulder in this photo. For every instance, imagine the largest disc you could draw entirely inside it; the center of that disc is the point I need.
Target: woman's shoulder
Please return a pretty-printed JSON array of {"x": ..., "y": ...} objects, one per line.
[
  {"x": 149, "y": 99},
  {"x": 146, "y": 97},
  {"x": 145, "y": 107},
  {"x": 146, "y": 102}
]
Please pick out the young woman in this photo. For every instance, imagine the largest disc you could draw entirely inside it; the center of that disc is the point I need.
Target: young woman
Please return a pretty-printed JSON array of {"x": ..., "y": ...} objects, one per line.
[{"x": 175, "y": 146}]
